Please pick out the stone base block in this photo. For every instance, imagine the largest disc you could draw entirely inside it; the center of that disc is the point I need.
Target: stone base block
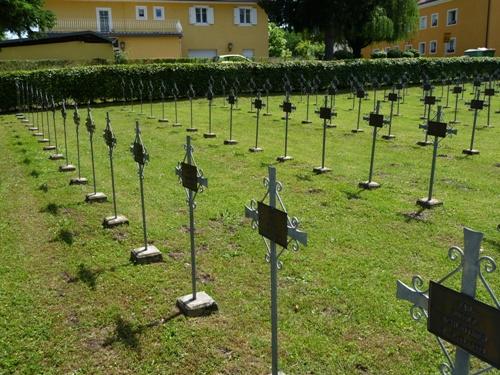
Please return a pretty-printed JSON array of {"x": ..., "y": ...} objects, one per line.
[
  {"x": 321, "y": 170},
  {"x": 176, "y": 124},
  {"x": 67, "y": 168},
  {"x": 251, "y": 112},
  {"x": 470, "y": 152},
  {"x": 284, "y": 158},
  {"x": 25, "y": 121},
  {"x": 43, "y": 140},
  {"x": 428, "y": 203},
  {"x": 388, "y": 136},
  {"x": 230, "y": 142},
  {"x": 329, "y": 126},
  {"x": 151, "y": 117},
  {"x": 33, "y": 129},
  {"x": 37, "y": 134},
  {"x": 455, "y": 122},
  {"x": 201, "y": 306},
  {"x": 424, "y": 143},
  {"x": 267, "y": 114},
  {"x": 96, "y": 197},
  {"x": 114, "y": 221},
  {"x": 19, "y": 115},
  {"x": 162, "y": 120},
  {"x": 255, "y": 149},
  {"x": 306, "y": 121},
  {"x": 209, "y": 135},
  {"x": 56, "y": 157},
  {"x": 78, "y": 181},
  {"x": 357, "y": 131},
  {"x": 49, "y": 148},
  {"x": 279, "y": 373},
  {"x": 191, "y": 130},
  {"x": 144, "y": 256},
  {"x": 369, "y": 185}
]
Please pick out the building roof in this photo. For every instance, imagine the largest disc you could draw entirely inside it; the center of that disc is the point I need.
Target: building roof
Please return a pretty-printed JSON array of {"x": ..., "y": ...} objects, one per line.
[{"x": 80, "y": 36}]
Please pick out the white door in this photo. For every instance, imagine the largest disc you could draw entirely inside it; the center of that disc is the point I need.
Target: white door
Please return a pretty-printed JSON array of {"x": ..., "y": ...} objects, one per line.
[
  {"x": 202, "y": 53},
  {"x": 104, "y": 24}
]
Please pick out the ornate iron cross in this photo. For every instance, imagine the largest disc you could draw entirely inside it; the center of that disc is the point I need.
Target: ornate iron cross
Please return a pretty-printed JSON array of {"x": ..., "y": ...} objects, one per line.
[{"x": 472, "y": 266}]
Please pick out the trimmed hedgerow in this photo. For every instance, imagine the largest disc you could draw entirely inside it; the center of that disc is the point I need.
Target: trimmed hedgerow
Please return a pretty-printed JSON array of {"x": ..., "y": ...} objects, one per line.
[{"x": 103, "y": 82}]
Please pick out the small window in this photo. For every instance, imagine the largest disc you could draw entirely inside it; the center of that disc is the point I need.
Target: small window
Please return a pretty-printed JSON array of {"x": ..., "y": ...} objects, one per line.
[
  {"x": 423, "y": 22},
  {"x": 421, "y": 48},
  {"x": 433, "y": 47},
  {"x": 245, "y": 16},
  {"x": 434, "y": 19},
  {"x": 141, "y": 13},
  {"x": 159, "y": 13},
  {"x": 452, "y": 17},
  {"x": 201, "y": 15},
  {"x": 451, "y": 46}
]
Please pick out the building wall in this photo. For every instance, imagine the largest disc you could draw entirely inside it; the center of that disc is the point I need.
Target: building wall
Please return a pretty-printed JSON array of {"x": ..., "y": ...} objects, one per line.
[
  {"x": 211, "y": 37},
  {"x": 58, "y": 51},
  {"x": 152, "y": 47},
  {"x": 470, "y": 30}
]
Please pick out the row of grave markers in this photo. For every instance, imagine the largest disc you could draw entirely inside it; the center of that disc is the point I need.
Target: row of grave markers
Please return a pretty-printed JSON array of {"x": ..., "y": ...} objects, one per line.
[{"x": 472, "y": 326}]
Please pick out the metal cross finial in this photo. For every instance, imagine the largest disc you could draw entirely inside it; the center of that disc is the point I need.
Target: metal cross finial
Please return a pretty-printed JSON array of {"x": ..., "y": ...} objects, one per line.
[
  {"x": 108, "y": 134},
  {"x": 76, "y": 116},
  {"x": 473, "y": 266},
  {"x": 138, "y": 149},
  {"x": 89, "y": 122}
]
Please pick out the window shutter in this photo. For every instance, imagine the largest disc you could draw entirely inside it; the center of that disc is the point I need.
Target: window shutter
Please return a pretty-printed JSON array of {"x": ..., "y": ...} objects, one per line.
[
  {"x": 236, "y": 16},
  {"x": 253, "y": 16},
  {"x": 192, "y": 15},
  {"x": 210, "y": 16}
]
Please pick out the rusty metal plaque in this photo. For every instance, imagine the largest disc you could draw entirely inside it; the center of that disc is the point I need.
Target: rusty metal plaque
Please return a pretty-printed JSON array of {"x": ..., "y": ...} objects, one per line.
[
  {"x": 457, "y": 90},
  {"x": 360, "y": 94},
  {"x": 376, "y": 120},
  {"x": 287, "y": 107},
  {"x": 476, "y": 104},
  {"x": 489, "y": 92},
  {"x": 436, "y": 128},
  {"x": 273, "y": 224},
  {"x": 393, "y": 97},
  {"x": 325, "y": 113},
  {"x": 257, "y": 103},
  {"x": 430, "y": 100},
  {"x": 465, "y": 322},
  {"x": 231, "y": 99},
  {"x": 189, "y": 176}
]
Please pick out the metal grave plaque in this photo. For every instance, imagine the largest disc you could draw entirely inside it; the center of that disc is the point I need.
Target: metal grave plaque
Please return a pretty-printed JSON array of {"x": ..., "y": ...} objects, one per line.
[
  {"x": 436, "y": 128},
  {"x": 399, "y": 86},
  {"x": 325, "y": 113},
  {"x": 427, "y": 86},
  {"x": 257, "y": 103},
  {"x": 476, "y": 104},
  {"x": 376, "y": 120},
  {"x": 360, "y": 94},
  {"x": 273, "y": 224},
  {"x": 489, "y": 92},
  {"x": 430, "y": 100},
  {"x": 189, "y": 176},
  {"x": 287, "y": 107},
  {"x": 465, "y": 322},
  {"x": 393, "y": 97},
  {"x": 457, "y": 89}
]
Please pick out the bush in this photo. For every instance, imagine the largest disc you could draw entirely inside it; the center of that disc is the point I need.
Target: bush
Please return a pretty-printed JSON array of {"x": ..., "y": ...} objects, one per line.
[
  {"x": 103, "y": 82},
  {"x": 343, "y": 54},
  {"x": 394, "y": 53},
  {"x": 379, "y": 55},
  {"x": 408, "y": 54},
  {"x": 414, "y": 52},
  {"x": 309, "y": 50}
]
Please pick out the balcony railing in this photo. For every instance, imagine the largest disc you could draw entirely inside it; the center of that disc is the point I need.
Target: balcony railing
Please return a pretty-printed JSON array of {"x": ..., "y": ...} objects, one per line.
[{"x": 118, "y": 26}]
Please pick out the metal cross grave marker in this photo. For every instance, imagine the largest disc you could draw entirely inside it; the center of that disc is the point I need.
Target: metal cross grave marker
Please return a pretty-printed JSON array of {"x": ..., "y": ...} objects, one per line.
[
  {"x": 232, "y": 100},
  {"x": 210, "y": 98},
  {"x": 191, "y": 94},
  {"x": 258, "y": 105},
  {"x": 95, "y": 196},
  {"x": 476, "y": 105},
  {"x": 326, "y": 114},
  {"x": 76, "y": 119},
  {"x": 288, "y": 108},
  {"x": 66, "y": 167}
]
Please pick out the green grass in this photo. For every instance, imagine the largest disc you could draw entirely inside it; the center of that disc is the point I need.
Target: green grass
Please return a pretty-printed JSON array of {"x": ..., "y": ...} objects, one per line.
[{"x": 72, "y": 303}]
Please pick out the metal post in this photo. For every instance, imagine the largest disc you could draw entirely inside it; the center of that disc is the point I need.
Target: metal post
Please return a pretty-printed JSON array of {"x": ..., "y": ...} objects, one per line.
[
  {"x": 456, "y": 109},
  {"x": 191, "y": 224},
  {"x": 473, "y": 130},
  {"x": 54, "y": 125},
  {"x": 397, "y": 111},
  {"x": 323, "y": 153},
  {"x": 374, "y": 141},
  {"x": 274, "y": 278},
  {"x": 434, "y": 157},
  {"x": 78, "y": 141},
  {"x": 448, "y": 95},
  {"x": 257, "y": 130}
]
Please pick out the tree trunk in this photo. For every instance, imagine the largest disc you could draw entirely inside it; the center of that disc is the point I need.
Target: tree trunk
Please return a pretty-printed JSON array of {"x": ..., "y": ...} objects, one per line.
[
  {"x": 356, "y": 49},
  {"x": 329, "y": 43}
]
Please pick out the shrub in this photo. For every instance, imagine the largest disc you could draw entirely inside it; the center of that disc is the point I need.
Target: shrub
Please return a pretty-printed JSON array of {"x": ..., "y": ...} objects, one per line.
[
  {"x": 408, "y": 54},
  {"x": 309, "y": 50},
  {"x": 394, "y": 53},
  {"x": 414, "y": 52},
  {"x": 379, "y": 55},
  {"x": 343, "y": 54}
]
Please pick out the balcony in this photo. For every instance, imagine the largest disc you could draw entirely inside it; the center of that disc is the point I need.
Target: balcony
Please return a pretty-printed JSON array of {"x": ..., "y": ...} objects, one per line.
[{"x": 117, "y": 27}]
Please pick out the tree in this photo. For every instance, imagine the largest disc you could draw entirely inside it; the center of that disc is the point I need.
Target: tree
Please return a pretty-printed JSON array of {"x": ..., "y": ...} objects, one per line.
[
  {"x": 24, "y": 17},
  {"x": 357, "y": 22},
  {"x": 277, "y": 41}
]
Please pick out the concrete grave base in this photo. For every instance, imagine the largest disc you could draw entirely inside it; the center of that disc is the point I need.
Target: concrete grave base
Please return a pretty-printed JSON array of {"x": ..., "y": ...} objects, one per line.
[
  {"x": 329, "y": 126},
  {"x": 162, "y": 120},
  {"x": 306, "y": 122},
  {"x": 426, "y": 203},
  {"x": 19, "y": 115},
  {"x": 424, "y": 143},
  {"x": 78, "y": 181},
  {"x": 67, "y": 168},
  {"x": 176, "y": 124},
  {"x": 282, "y": 159},
  {"x": 144, "y": 256},
  {"x": 209, "y": 135},
  {"x": 279, "y": 373},
  {"x": 49, "y": 148},
  {"x": 251, "y": 112},
  {"x": 357, "y": 131},
  {"x": 96, "y": 197},
  {"x": 25, "y": 121},
  {"x": 230, "y": 142},
  {"x": 455, "y": 122},
  {"x": 37, "y": 134},
  {"x": 201, "y": 306},
  {"x": 33, "y": 129},
  {"x": 255, "y": 149},
  {"x": 56, "y": 157},
  {"x": 43, "y": 140},
  {"x": 191, "y": 130},
  {"x": 470, "y": 152},
  {"x": 388, "y": 136},
  {"x": 369, "y": 185},
  {"x": 267, "y": 114},
  {"x": 321, "y": 170},
  {"x": 114, "y": 221},
  {"x": 150, "y": 117}
]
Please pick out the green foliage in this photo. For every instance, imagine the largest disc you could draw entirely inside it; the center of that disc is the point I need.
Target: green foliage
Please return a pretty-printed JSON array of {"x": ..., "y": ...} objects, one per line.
[
  {"x": 308, "y": 49},
  {"x": 379, "y": 55},
  {"x": 277, "y": 41},
  {"x": 343, "y": 54},
  {"x": 414, "y": 52},
  {"x": 24, "y": 16},
  {"x": 394, "y": 53},
  {"x": 103, "y": 82}
]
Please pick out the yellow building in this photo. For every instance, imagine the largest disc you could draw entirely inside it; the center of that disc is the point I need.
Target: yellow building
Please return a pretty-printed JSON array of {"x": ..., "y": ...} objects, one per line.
[
  {"x": 450, "y": 27},
  {"x": 166, "y": 29}
]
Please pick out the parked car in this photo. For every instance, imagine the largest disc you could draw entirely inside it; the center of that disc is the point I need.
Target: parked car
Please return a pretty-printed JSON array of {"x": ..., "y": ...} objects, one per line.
[{"x": 231, "y": 59}]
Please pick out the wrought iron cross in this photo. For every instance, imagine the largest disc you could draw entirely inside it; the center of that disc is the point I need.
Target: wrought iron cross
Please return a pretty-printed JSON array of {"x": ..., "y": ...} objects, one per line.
[
  {"x": 472, "y": 266},
  {"x": 275, "y": 227}
]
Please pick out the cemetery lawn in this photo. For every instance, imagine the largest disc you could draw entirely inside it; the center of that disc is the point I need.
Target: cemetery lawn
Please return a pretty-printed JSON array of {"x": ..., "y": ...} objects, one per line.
[{"x": 71, "y": 302}]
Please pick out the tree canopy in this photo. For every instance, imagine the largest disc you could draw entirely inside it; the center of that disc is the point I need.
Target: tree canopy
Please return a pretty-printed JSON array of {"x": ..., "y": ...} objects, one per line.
[
  {"x": 355, "y": 22},
  {"x": 24, "y": 17}
]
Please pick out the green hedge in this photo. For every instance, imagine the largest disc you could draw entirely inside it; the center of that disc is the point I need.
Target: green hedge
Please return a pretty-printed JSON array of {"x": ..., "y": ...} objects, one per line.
[{"x": 103, "y": 82}]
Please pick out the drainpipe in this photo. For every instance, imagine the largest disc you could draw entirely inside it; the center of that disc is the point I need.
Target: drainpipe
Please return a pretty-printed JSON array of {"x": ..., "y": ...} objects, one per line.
[{"x": 488, "y": 24}]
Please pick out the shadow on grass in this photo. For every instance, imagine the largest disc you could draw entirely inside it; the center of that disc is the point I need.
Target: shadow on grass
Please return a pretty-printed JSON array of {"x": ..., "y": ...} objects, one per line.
[
  {"x": 66, "y": 236},
  {"x": 89, "y": 276},
  {"x": 420, "y": 215},
  {"x": 128, "y": 334},
  {"x": 51, "y": 208},
  {"x": 43, "y": 187},
  {"x": 350, "y": 195}
]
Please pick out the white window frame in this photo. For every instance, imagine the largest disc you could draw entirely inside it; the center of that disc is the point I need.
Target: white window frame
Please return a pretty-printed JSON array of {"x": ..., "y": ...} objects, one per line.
[
  {"x": 209, "y": 13},
  {"x": 98, "y": 20},
  {"x": 420, "y": 23},
  {"x": 248, "y": 22},
  {"x": 141, "y": 7},
  {"x": 448, "y": 17},
  {"x": 420, "y": 44},
  {"x": 155, "y": 17},
  {"x": 446, "y": 46},
  {"x": 435, "y": 15},
  {"x": 430, "y": 47}
]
